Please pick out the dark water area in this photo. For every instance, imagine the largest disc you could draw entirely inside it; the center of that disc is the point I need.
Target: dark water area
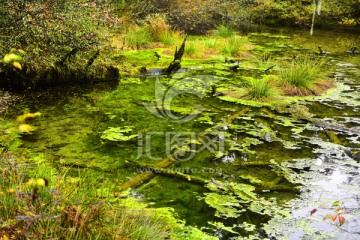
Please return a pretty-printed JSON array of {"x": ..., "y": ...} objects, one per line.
[{"x": 292, "y": 163}]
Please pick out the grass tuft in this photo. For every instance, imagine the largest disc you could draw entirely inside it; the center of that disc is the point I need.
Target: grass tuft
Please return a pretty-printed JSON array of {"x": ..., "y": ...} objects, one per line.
[
  {"x": 225, "y": 31},
  {"x": 191, "y": 49},
  {"x": 233, "y": 46},
  {"x": 261, "y": 89},
  {"x": 210, "y": 43},
  {"x": 138, "y": 37},
  {"x": 300, "y": 77}
]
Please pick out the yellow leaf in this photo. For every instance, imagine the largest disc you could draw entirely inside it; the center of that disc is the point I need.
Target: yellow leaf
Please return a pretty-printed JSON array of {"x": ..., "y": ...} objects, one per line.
[
  {"x": 11, "y": 57},
  {"x": 25, "y": 128},
  {"x": 17, "y": 65},
  {"x": 40, "y": 182},
  {"x": 5, "y": 237},
  {"x": 11, "y": 190}
]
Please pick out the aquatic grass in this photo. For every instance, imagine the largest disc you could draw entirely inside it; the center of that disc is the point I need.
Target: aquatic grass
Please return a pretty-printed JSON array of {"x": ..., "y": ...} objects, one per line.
[
  {"x": 263, "y": 88},
  {"x": 299, "y": 77},
  {"x": 225, "y": 31}
]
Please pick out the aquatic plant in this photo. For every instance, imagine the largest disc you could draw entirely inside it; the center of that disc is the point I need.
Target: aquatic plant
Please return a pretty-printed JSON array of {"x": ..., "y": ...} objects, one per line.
[{"x": 118, "y": 134}]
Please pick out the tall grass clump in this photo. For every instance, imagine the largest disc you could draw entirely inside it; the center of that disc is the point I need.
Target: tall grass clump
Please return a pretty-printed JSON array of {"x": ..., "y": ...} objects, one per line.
[
  {"x": 191, "y": 49},
  {"x": 210, "y": 43},
  {"x": 139, "y": 36},
  {"x": 264, "y": 62},
  {"x": 261, "y": 89},
  {"x": 233, "y": 46},
  {"x": 303, "y": 77},
  {"x": 225, "y": 31},
  {"x": 161, "y": 31}
]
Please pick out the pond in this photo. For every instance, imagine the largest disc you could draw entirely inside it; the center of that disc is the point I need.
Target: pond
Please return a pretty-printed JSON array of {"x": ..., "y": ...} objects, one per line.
[{"x": 247, "y": 169}]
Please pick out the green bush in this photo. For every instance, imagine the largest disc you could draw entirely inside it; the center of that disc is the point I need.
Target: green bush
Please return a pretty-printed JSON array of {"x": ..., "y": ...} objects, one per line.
[{"x": 54, "y": 36}]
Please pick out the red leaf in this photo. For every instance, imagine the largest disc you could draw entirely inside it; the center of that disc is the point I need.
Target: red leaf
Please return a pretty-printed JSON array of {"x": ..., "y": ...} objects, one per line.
[
  {"x": 313, "y": 211},
  {"x": 334, "y": 217},
  {"x": 341, "y": 220}
]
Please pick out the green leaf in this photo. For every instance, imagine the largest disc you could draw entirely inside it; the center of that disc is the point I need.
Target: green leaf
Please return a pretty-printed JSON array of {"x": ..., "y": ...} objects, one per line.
[{"x": 336, "y": 204}]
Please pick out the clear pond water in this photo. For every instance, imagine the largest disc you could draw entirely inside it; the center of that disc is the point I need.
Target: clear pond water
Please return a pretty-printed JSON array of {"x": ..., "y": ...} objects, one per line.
[{"x": 292, "y": 163}]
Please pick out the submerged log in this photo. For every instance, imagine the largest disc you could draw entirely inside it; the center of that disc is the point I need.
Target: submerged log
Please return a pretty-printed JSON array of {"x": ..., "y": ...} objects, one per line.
[
  {"x": 146, "y": 176},
  {"x": 333, "y": 137},
  {"x": 150, "y": 170},
  {"x": 175, "y": 64}
]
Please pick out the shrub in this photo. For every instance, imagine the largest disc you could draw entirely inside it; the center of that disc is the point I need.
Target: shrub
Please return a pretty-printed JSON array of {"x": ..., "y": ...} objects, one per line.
[
  {"x": 51, "y": 33},
  {"x": 57, "y": 206}
]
